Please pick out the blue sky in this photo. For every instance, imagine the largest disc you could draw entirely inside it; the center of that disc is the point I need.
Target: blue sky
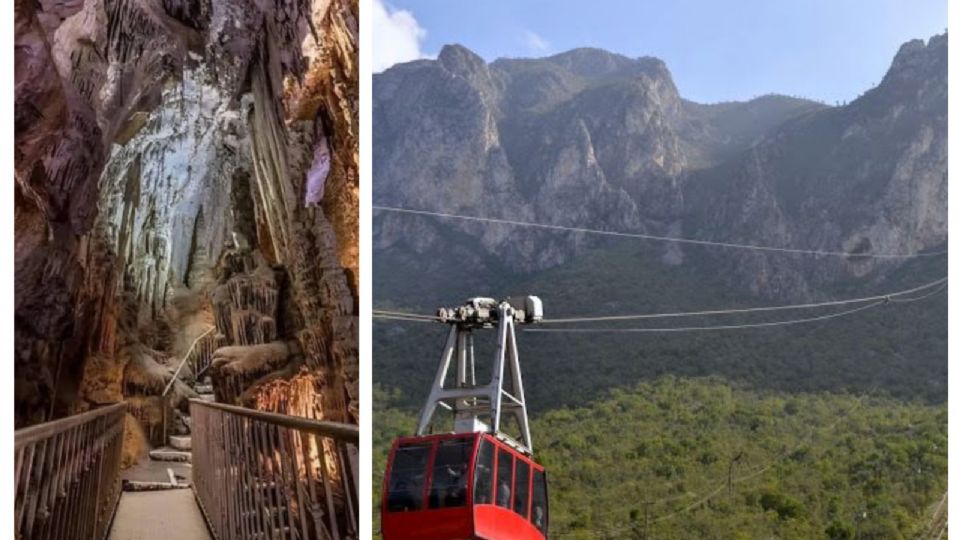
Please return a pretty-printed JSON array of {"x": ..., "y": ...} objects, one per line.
[{"x": 819, "y": 49}]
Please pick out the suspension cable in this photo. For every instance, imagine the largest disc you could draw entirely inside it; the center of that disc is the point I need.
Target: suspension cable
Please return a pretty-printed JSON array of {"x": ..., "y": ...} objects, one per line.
[
  {"x": 707, "y": 328},
  {"x": 406, "y": 319},
  {"x": 894, "y": 296},
  {"x": 938, "y": 285},
  {"x": 385, "y": 313},
  {"x": 643, "y": 236}
]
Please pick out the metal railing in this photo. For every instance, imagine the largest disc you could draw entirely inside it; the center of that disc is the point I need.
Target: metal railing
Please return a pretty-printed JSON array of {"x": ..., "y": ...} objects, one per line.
[
  {"x": 66, "y": 475},
  {"x": 165, "y": 406},
  {"x": 183, "y": 362},
  {"x": 265, "y": 475}
]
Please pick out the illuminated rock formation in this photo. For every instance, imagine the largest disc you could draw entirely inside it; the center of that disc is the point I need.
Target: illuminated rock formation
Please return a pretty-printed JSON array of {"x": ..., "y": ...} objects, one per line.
[{"x": 162, "y": 152}]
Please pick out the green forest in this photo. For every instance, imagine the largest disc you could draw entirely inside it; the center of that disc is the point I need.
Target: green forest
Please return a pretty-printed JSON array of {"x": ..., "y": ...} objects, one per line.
[
  {"x": 681, "y": 457},
  {"x": 901, "y": 348},
  {"x": 833, "y": 429}
]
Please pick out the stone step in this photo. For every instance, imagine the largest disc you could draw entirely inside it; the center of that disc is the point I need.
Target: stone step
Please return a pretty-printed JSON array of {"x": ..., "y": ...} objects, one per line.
[
  {"x": 136, "y": 485},
  {"x": 203, "y": 388},
  {"x": 179, "y": 442},
  {"x": 170, "y": 454}
]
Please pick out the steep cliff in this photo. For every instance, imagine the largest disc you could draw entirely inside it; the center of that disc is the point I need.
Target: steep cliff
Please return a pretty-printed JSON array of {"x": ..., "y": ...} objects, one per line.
[
  {"x": 593, "y": 139},
  {"x": 869, "y": 177},
  {"x": 164, "y": 153}
]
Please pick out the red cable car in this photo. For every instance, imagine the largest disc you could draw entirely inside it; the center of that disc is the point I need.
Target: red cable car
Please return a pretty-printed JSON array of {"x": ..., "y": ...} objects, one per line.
[
  {"x": 475, "y": 482},
  {"x": 459, "y": 486}
]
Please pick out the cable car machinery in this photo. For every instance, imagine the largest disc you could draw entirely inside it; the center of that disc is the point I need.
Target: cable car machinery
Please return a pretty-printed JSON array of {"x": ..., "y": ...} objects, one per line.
[
  {"x": 481, "y": 408},
  {"x": 411, "y": 508}
]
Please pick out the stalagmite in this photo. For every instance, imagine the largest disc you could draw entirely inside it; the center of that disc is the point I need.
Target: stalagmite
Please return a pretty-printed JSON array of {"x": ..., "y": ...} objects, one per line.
[{"x": 163, "y": 156}]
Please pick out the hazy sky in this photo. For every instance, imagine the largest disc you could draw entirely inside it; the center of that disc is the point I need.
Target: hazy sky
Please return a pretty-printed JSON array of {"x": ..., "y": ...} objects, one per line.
[{"x": 819, "y": 49}]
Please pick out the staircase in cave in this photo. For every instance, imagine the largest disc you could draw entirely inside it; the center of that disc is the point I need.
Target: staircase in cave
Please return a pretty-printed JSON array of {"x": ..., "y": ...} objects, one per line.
[
  {"x": 178, "y": 445},
  {"x": 243, "y": 347}
]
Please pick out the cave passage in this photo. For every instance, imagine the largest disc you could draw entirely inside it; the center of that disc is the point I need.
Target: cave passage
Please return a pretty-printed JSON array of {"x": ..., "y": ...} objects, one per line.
[{"x": 186, "y": 215}]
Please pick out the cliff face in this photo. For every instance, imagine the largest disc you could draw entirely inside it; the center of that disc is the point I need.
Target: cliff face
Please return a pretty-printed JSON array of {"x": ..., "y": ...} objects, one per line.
[
  {"x": 869, "y": 177},
  {"x": 164, "y": 151},
  {"x": 592, "y": 139}
]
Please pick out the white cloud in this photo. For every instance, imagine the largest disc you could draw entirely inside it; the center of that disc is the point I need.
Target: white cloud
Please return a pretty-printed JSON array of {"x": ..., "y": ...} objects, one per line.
[
  {"x": 396, "y": 36},
  {"x": 535, "y": 42}
]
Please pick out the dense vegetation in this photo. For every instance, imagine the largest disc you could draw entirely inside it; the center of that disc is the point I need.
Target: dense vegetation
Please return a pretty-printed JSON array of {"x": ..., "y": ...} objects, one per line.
[
  {"x": 899, "y": 347},
  {"x": 639, "y": 430},
  {"x": 653, "y": 461}
]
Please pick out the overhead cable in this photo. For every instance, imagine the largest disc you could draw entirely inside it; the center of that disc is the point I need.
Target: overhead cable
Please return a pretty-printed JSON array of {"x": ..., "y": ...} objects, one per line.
[
  {"x": 383, "y": 312},
  {"x": 898, "y": 297},
  {"x": 893, "y": 297},
  {"x": 395, "y": 318},
  {"x": 707, "y": 328},
  {"x": 643, "y": 236}
]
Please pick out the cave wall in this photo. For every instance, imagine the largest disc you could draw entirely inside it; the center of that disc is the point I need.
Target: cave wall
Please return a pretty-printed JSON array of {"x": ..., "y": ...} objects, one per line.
[
  {"x": 155, "y": 142},
  {"x": 288, "y": 116}
]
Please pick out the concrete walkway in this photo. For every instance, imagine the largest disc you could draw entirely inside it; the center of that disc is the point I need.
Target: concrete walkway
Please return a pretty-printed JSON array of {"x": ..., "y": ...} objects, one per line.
[{"x": 150, "y": 515}]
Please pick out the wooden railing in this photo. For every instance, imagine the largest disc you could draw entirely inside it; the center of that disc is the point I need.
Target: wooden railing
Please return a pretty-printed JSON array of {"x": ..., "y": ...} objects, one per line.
[
  {"x": 66, "y": 475},
  {"x": 267, "y": 475}
]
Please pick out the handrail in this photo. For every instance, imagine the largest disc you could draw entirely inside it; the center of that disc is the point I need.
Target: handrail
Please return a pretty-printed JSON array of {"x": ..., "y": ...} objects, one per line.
[
  {"x": 32, "y": 434},
  {"x": 184, "y": 361},
  {"x": 67, "y": 476},
  {"x": 348, "y": 433},
  {"x": 266, "y": 475}
]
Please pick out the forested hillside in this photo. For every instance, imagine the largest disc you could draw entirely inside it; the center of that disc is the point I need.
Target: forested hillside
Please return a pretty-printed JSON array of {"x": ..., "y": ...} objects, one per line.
[
  {"x": 899, "y": 347},
  {"x": 508, "y": 178},
  {"x": 697, "y": 458}
]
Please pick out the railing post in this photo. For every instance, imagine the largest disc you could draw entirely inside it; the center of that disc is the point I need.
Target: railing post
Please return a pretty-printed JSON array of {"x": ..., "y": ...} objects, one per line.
[
  {"x": 56, "y": 494},
  {"x": 273, "y": 474}
]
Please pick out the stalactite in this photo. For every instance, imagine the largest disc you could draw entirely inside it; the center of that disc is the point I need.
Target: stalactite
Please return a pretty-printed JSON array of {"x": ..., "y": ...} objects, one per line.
[{"x": 151, "y": 140}]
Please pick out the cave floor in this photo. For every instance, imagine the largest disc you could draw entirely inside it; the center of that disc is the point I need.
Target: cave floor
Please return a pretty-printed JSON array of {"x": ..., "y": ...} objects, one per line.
[{"x": 149, "y": 515}]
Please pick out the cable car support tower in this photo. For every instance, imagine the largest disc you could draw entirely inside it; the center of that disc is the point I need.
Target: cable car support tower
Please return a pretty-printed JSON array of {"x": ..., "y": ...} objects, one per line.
[{"x": 482, "y": 407}]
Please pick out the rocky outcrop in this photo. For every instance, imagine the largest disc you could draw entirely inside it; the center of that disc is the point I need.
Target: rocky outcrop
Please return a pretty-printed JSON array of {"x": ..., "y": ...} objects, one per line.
[
  {"x": 156, "y": 141},
  {"x": 585, "y": 138},
  {"x": 593, "y": 139},
  {"x": 868, "y": 177}
]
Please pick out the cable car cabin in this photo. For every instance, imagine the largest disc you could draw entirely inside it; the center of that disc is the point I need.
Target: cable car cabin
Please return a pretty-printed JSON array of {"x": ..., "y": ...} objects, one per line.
[{"x": 462, "y": 486}]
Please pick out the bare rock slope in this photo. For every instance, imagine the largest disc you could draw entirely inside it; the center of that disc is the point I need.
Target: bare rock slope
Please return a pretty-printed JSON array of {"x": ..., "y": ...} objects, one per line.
[{"x": 592, "y": 139}]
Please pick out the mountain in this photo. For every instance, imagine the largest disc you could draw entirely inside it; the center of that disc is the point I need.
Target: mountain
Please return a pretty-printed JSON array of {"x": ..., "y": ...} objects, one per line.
[
  {"x": 798, "y": 431},
  {"x": 870, "y": 177},
  {"x": 593, "y": 139}
]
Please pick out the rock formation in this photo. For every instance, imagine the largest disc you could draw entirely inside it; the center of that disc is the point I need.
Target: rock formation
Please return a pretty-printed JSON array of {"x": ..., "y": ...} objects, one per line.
[
  {"x": 162, "y": 156},
  {"x": 593, "y": 139}
]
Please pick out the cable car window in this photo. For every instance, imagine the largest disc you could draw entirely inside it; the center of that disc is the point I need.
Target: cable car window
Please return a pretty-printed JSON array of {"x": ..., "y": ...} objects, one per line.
[
  {"x": 504, "y": 477},
  {"x": 407, "y": 477},
  {"x": 448, "y": 483},
  {"x": 483, "y": 476},
  {"x": 539, "y": 514},
  {"x": 521, "y": 489}
]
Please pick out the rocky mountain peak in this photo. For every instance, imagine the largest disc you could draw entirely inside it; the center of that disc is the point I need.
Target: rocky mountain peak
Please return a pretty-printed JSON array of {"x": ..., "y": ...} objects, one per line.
[
  {"x": 460, "y": 60},
  {"x": 596, "y": 139},
  {"x": 917, "y": 65},
  {"x": 594, "y": 63}
]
